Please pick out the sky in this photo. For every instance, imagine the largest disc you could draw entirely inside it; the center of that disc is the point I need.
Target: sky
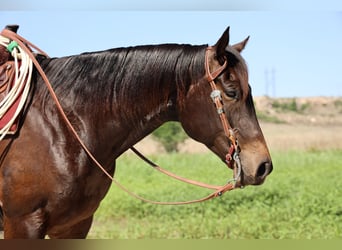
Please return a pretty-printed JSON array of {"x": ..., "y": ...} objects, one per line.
[{"x": 292, "y": 51}]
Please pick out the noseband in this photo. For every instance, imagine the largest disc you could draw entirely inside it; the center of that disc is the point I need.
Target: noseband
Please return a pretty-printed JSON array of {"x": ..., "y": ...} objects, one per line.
[{"x": 233, "y": 150}]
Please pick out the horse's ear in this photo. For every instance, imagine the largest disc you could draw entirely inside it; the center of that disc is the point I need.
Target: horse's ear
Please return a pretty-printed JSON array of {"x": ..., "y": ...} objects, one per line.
[
  {"x": 241, "y": 45},
  {"x": 222, "y": 43}
]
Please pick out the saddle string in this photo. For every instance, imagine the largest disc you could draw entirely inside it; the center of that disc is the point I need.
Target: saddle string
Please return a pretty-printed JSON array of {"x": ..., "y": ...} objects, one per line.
[{"x": 219, "y": 190}]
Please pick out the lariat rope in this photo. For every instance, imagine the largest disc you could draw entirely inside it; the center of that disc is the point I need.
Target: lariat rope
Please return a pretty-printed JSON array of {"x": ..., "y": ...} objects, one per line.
[
  {"x": 20, "y": 86},
  {"x": 219, "y": 190}
]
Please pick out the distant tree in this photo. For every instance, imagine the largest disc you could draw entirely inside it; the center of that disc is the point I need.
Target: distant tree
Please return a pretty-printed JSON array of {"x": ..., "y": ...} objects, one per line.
[{"x": 170, "y": 135}]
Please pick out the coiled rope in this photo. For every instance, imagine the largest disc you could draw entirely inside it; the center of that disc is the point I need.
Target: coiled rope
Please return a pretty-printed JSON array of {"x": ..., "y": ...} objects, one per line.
[{"x": 21, "y": 86}]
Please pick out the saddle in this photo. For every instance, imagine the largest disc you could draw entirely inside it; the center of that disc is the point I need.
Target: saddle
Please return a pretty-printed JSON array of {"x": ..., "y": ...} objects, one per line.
[{"x": 7, "y": 78}]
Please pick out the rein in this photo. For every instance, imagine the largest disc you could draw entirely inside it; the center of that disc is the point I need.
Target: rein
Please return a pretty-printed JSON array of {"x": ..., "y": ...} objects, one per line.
[{"x": 231, "y": 156}]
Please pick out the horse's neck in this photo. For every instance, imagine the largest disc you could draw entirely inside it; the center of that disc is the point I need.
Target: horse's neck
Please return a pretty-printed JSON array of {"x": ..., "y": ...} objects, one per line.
[
  {"x": 144, "y": 113},
  {"x": 134, "y": 92},
  {"x": 157, "y": 81}
]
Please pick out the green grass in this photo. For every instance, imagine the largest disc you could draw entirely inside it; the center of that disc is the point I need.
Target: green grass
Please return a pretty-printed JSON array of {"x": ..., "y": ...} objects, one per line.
[{"x": 301, "y": 199}]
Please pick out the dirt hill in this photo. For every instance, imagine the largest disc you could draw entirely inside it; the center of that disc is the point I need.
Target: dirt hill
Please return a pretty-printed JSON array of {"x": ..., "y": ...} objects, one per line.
[
  {"x": 323, "y": 111},
  {"x": 288, "y": 124},
  {"x": 301, "y": 123}
]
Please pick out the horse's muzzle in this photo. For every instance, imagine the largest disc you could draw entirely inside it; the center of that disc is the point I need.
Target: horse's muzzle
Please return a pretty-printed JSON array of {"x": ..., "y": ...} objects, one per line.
[{"x": 259, "y": 176}]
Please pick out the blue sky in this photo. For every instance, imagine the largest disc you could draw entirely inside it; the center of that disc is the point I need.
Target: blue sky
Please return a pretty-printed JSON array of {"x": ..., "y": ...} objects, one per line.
[{"x": 302, "y": 46}]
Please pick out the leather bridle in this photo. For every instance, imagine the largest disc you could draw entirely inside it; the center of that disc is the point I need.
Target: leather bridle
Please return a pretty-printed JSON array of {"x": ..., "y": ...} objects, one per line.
[
  {"x": 233, "y": 151},
  {"x": 231, "y": 156}
]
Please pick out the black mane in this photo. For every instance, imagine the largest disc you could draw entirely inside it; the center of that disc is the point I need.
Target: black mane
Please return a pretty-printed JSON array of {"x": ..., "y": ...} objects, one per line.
[{"x": 125, "y": 75}]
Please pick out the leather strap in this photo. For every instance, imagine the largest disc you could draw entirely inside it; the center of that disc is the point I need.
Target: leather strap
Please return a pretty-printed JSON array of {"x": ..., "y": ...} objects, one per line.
[{"x": 217, "y": 99}]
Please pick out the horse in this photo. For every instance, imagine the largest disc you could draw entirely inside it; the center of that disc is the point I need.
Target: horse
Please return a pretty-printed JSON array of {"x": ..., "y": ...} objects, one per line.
[{"x": 114, "y": 98}]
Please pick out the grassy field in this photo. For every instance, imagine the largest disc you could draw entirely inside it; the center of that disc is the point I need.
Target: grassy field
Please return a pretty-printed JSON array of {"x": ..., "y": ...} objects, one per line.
[{"x": 301, "y": 199}]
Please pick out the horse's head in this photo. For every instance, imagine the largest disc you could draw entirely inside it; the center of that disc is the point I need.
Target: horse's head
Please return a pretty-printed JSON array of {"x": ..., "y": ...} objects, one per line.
[{"x": 201, "y": 121}]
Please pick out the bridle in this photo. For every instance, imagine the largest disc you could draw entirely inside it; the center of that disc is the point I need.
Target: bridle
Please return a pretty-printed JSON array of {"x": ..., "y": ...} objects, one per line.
[
  {"x": 233, "y": 151},
  {"x": 231, "y": 157}
]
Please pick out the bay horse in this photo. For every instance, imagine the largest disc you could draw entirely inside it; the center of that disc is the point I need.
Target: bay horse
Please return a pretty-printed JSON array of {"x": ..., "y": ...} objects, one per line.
[{"x": 114, "y": 98}]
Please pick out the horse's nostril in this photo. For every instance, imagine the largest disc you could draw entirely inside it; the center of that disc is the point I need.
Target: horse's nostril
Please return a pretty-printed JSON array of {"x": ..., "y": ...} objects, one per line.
[
  {"x": 261, "y": 170},
  {"x": 264, "y": 169}
]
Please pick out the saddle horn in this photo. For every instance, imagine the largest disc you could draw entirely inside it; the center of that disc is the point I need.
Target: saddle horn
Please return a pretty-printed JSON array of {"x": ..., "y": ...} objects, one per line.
[{"x": 12, "y": 27}]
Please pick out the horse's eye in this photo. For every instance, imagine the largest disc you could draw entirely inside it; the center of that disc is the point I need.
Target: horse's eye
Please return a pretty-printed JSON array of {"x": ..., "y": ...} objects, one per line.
[{"x": 231, "y": 94}]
